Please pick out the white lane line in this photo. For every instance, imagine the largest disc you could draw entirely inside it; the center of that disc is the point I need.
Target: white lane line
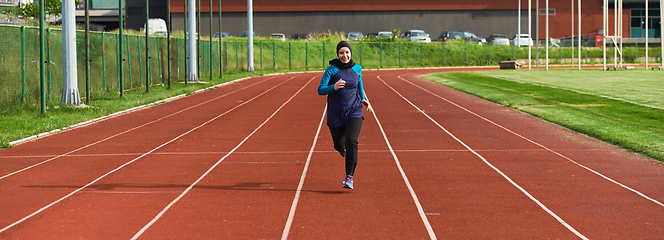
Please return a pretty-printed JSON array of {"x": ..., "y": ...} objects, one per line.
[
  {"x": 491, "y": 165},
  {"x": 291, "y": 215},
  {"x": 139, "y": 233},
  {"x": 129, "y": 130},
  {"x": 134, "y": 160},
  {"x": 420, "y": 210},
  {"x": 540, "y": 145}
]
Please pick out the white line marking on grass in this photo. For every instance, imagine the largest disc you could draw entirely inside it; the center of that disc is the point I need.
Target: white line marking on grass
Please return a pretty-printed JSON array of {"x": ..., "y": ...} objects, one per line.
[
  {"x": 134, "y": 160},
  {"x": 420, "y": 210},
  {"x": 577, "y": 91},
  {"x": 296, "y": 199},
  {"x": 490, "y": 165},
  {"x": 540, "y": 145},
  {"x": 129, "y": 130},
  {"x": 139, "y": 233}
]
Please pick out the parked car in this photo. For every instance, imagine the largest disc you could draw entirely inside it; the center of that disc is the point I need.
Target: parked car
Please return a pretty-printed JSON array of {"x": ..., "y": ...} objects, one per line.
[
  {"x": 384, "y": 34},
  {"x": 156, "y": 26},
  {"x": 465, "y": 35},
  {"x": 355, "y": 35},
  {"x": 498, "y": 39},
  {"x": 246, "y": 34},
  {"x": 417, "y": 36},
  {"x": 301, "y": 36},
  {"x": 223, "y": 35},
  {"x": 278, "y": 36},
  {"x": 522, "y": 40}
]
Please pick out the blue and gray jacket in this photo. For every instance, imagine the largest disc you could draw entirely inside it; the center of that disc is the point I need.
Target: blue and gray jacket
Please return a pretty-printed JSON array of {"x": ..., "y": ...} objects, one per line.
[{"x": 345, "y": 103}]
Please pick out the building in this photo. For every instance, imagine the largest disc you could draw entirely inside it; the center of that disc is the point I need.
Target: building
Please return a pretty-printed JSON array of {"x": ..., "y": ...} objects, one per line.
[{"x": 482, "y": 17}]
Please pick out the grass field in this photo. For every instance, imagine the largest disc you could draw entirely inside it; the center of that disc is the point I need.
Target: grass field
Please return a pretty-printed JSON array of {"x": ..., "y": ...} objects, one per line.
[{"x": 622, "y": 108}]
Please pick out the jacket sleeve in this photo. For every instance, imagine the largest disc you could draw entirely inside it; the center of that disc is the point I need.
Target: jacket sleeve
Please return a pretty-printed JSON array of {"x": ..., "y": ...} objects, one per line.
[
  {"x": 324, "y": 88},
  {"x": 360, "y": 85}
]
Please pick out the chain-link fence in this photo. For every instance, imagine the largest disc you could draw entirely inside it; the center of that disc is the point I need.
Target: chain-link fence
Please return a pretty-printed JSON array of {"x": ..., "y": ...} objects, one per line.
[{"x": 20, "y": 80}]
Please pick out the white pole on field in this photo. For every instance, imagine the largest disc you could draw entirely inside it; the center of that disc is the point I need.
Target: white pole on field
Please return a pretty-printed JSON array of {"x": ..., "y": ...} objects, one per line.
[
  {"x": 605, "y": 5},
  {"x": 250, "y": 38},
  {"x": 192, "y": 74},
  {"x": 615, "y": 32},
  {"x": 579, "y": 16},
  {"x": 620, "y": 30},
  {"x": 530, "y": 32},
  {"x": 70, "y": 94},
  {"x": 547, "y": 35},
  {"x": 572, "y": 32},
  {"x": 518, "y": 35},
  {"x": 647, "y": 20},
  {"x": 661, "y": 30}
]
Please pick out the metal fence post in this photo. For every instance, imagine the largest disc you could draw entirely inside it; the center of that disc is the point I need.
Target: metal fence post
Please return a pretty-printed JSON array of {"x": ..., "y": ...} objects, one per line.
[
  {"x": 23, "y": 65},
  {"x": 422, "y": 54},
  {"x": 274, "y": 57},
  {"x": 399, "y": 55},
  {"x": 442, "y": 49},
  {"x": 306, "y": 56},
  {"x": 261, "y": 53},
  {"x": 380, "y": 65},
  {"x": 48, "y": 60},
  {"x": 140, "y": 60},
  {"x": 103, "y": 62},
  {"x": 128, "y": 60},
  {"x": 289, "y": 56}
]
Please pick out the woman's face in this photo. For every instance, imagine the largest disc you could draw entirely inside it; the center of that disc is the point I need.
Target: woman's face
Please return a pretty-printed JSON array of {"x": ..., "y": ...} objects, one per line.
[{"x": 344, "y": 55}]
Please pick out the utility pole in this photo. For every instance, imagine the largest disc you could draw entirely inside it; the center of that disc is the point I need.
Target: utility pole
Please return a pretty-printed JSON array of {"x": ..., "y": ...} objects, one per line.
[
  {"x": 87, "y": 51},
  {"x": 250, "y": 38},
  {"x": 191, "y": 75},
  {"x": 120, "y": 41},
  {"x": 70, "y": 94},
  {"x": 41, "y": 58}
]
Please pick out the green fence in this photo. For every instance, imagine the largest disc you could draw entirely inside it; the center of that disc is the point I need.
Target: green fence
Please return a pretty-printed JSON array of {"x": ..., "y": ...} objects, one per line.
[{"x": 19, "y": 59}]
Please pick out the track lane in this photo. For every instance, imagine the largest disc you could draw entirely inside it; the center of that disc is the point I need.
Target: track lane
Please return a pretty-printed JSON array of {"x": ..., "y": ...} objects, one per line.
[
  {"x": 67, "y": 184},
  {"x": 597, "y": 207}
]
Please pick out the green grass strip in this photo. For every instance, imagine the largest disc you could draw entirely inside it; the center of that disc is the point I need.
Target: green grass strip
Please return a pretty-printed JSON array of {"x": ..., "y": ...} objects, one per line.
[
  {"x": 633, "y": 127},
  {"x": 20, "y": 123}
]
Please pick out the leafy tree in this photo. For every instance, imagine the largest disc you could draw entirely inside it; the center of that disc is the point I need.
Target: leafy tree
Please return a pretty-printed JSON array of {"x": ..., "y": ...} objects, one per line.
[{"x": 30, "y": 10}]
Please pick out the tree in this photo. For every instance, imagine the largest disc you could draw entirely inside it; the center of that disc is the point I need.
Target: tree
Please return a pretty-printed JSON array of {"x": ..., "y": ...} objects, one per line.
[{"x": 30, "y": 10}]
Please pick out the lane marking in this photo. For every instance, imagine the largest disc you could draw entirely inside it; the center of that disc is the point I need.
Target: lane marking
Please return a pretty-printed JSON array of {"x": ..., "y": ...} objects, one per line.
[
  {"x": 420, "y": 210},
  {"x": 139, "y": 233},
  {"x": 134, "y": 160},
  {"x": 129, "y": 130},
  {"x": 540, "y": 145},
  {"x": 560, "y": 220},
  {"x": 296, "y": 199},
  {"x": 297, "y": 152}
]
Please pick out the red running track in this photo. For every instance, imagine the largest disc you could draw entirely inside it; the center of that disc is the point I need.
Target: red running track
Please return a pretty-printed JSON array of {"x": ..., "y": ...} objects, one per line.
[{"x": 253, "y": 159}]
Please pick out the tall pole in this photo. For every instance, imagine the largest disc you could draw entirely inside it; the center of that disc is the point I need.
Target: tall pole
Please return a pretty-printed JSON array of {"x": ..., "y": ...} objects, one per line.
[
  {"x": 186, "y": 44},
  {"x": 661, "y": 30},
  {"x": 42, "y": 65},
  {"x": 87, "y": 51},
  {"x": 530, "y": 33},
  {"x": 168, "y": 42},
  {"x": 147, "y": 46},
  {"x": 579, "y": 29},
  {"x": 572, "y": 13},
  {"x": 537, "y": 34},
  {"x": 605, "y": 5},
  {"x": 198, "y": 39},
  {"x": 221, "y": 63},
  {"x": 70, "y": 94},
  {"x": 120, "y": 41},
  {"x": 615, "y": 32},
  {"x": 210, "y": 8},
  {"x": 250, "y": 38},
  {"x": 647, "y": 20},
  {"x": 191, "y": 75},
  {"x": 518, "y": 36},
  {"x": 547, "y": 35}
]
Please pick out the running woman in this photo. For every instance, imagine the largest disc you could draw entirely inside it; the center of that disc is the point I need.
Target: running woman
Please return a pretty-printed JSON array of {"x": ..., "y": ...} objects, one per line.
[{"x": 342, "y": 83}]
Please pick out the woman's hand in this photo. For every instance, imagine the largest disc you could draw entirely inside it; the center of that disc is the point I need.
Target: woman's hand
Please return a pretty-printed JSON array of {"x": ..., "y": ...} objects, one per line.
[
  {"x": 366, "y": 103},
  {"x": 339, "y": 84}
]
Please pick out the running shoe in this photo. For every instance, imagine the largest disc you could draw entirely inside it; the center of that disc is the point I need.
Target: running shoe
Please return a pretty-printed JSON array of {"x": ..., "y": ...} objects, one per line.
[
  {"x": 348, "y": 183},
  {"x": 343, "y": 154}
]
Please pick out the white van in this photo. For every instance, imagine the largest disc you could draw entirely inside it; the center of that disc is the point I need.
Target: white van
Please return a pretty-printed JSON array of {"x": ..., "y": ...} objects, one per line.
[{"x": 156, "y": 26}]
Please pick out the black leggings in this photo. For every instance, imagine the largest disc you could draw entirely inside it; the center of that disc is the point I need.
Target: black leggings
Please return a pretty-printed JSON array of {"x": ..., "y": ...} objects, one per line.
[{"x": 345, "y": 137}]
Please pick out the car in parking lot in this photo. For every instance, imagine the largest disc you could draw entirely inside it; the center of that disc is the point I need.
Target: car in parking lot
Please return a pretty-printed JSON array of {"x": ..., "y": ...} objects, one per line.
[
  {"x": 417, "y": 36},
  {"x": 300, "y": 36},
  {"x": 278, "y": 36},
  {"x": 498, "y": 39},
  {"x": 384, "y": 34},
  {"x": 456, "y": 35},
  {"x": 355, "y": 35},
  {"x": 244, "y": 34},
  {"x": 522, "y": 40},
  {"x": 223, "y": 35}
]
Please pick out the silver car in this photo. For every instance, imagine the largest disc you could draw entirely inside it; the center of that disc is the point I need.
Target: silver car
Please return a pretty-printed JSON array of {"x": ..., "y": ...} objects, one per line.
[{"x": 417, "y": 36}]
